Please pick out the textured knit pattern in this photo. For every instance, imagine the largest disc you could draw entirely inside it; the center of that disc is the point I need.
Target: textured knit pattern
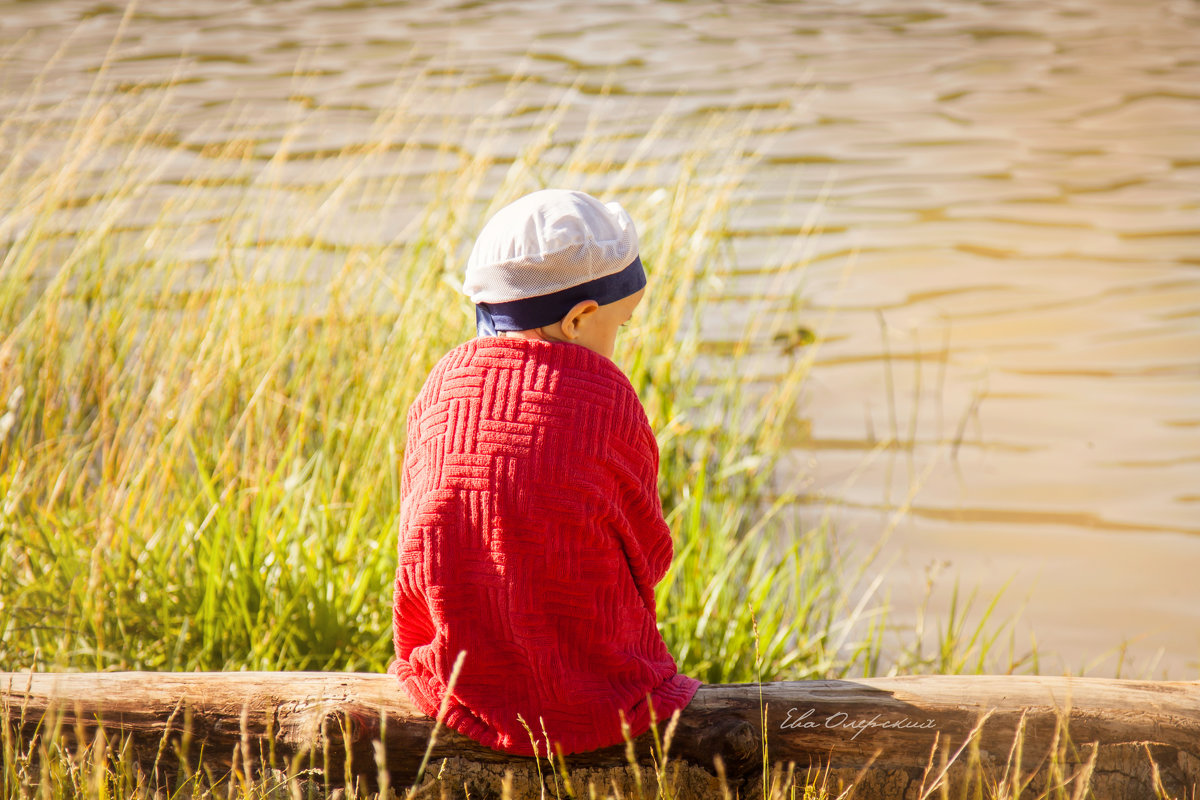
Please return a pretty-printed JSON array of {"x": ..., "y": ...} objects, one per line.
[{"x": 532, "y": 536}]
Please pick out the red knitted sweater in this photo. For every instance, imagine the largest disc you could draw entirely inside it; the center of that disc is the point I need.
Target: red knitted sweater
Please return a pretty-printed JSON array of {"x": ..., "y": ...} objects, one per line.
[{"x": 532, "y": 536}]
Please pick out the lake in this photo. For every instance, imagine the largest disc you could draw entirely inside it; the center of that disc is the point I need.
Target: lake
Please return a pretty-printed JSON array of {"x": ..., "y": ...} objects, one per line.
[{"x": 1002, "y": 266}]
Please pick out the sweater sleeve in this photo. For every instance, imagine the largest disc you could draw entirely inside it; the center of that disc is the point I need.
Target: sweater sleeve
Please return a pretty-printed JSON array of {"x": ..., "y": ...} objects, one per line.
[
  {"x": 647, "y": 543},
  {"x": 412, "y": 622}
]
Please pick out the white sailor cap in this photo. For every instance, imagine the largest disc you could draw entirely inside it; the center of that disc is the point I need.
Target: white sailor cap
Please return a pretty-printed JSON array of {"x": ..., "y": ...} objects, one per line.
[{"x": 540, "y": 255}]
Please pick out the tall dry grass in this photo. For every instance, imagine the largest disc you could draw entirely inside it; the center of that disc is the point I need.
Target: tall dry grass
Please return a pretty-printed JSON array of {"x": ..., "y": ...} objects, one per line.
[{"x": 205, "y": 381}]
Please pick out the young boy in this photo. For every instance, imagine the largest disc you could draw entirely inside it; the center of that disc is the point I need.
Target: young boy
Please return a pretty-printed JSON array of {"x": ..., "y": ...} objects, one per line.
[{"x": 531, "y": 532}]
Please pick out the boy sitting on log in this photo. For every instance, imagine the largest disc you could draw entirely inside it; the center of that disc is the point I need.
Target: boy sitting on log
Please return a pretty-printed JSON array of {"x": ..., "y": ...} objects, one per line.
[{"x": 531, "y": 531}]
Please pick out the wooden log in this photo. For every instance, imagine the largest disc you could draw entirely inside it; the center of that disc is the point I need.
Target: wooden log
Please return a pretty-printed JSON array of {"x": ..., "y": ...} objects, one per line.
[{"x": 891, "y": 736}]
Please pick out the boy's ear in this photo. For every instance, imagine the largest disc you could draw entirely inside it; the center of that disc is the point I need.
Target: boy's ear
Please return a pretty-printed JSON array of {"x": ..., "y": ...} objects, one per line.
[{"x": 578, "y": 315}]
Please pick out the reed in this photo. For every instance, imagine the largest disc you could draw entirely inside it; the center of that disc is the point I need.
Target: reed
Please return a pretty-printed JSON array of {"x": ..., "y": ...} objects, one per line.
[
  {"x": 206, "y": 381},
  {"x": 199, "y": 466}
]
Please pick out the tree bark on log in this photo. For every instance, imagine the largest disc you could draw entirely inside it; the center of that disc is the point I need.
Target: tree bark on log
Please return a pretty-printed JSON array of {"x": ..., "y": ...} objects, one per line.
[{"x": 890, "y": 737}]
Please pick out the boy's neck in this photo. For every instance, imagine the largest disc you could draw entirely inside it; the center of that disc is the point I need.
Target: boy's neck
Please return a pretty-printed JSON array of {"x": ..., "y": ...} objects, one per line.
[{"x": 534, "y": 333}]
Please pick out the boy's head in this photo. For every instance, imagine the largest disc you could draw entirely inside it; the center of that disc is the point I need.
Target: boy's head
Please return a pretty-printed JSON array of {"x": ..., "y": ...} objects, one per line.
[{"x": 558, "y": 265}]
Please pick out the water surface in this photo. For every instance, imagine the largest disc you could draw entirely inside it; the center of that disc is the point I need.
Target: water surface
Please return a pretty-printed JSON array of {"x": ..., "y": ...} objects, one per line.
[{"x": 1005, "y": 279}]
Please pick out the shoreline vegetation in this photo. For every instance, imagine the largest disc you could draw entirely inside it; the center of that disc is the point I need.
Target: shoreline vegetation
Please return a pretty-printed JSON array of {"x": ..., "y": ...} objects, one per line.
[{"x": 204, "y": 384}]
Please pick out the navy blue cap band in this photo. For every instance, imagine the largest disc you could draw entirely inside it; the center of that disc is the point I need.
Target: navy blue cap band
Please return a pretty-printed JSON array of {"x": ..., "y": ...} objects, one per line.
[{"x": 534, "y": 312}]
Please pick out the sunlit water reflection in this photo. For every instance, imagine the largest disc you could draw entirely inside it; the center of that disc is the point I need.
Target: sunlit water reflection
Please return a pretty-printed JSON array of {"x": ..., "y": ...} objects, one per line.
[{"x": 1005, "y": 283}]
